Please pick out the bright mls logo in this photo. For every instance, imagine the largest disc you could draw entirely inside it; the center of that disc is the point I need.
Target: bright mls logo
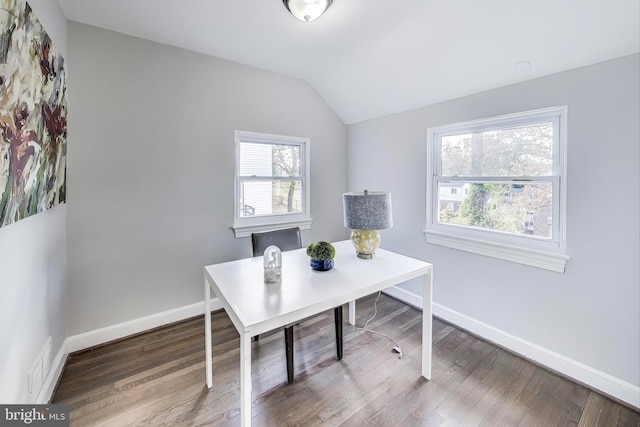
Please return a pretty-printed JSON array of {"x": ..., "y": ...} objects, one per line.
[{"x": 36, "y": 415}]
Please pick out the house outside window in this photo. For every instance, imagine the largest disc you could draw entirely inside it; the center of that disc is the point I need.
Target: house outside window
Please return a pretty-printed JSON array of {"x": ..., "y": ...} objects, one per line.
[
  {"x": 271, "y": 182},
  {"x": 506, "y": 180}
]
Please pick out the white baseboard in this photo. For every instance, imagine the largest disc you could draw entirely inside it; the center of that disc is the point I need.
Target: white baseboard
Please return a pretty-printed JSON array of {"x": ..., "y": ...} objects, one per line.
[
  {"x": 405, "y": 296},
  {"x": 598, "y": 380},
  {"x": 110, "y": 333},
  {"x": 100, "y": 336}
]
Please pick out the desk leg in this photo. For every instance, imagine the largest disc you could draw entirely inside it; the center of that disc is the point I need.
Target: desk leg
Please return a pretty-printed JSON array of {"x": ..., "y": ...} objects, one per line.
[
  {"x": 337, "y": 314},
  {"x": 288, "y": 349},
  {"x": 427, "y": 324},
  {"x": 352, "y": 312},
  {"x": 207, "y": 333},
  {"x": 245, "y": 380}
]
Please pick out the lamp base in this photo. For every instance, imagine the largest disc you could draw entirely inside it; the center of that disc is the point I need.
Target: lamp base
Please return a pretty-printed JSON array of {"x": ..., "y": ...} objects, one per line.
[{"x": 366, "y": 242}]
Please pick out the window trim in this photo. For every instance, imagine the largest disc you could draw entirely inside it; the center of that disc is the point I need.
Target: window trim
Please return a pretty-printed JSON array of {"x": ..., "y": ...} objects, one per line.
[
  {"x": 244, "y": 227},
  {"x": 527, "y": 250}
]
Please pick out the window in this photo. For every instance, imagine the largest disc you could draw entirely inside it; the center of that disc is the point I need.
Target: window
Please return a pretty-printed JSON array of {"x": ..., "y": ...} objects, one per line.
[
  {"x": 271, "y": 184},
  {"x": 512, "y": 173}
]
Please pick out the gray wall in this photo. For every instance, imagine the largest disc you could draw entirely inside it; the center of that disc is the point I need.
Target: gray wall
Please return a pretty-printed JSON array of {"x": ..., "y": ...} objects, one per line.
[
  {"x": 33, "y": 270},
  {"x": 590, "y": 313},
  {"x": 151, "y": 169}
]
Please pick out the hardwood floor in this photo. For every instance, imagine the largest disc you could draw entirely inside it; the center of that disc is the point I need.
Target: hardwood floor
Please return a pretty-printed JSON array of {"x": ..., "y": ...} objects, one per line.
[{"x": 157, "y": 379}]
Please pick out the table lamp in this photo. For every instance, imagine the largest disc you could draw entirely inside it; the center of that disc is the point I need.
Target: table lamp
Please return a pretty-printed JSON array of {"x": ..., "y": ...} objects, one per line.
[{"x": 365, "y": 213}]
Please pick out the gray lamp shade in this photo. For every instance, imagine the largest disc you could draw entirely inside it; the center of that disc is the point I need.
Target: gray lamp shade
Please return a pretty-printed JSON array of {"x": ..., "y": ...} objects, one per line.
[{"x": 369, "y": 210}]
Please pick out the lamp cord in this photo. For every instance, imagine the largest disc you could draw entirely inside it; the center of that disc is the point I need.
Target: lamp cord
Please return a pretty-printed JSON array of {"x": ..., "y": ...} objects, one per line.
[{"x": 366, "y": 327}]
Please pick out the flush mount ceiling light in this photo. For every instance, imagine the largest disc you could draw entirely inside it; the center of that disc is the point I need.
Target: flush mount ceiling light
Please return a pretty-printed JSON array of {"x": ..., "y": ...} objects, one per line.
[{"x": 307, "y": 10}]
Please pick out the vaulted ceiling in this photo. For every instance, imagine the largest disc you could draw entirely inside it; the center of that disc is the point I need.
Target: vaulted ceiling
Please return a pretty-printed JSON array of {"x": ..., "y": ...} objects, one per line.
[{"x": 370, "y": 58}]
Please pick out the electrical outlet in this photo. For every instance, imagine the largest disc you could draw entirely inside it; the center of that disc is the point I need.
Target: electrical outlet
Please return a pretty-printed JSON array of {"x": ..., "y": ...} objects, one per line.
[
  {"x": 34, "y": 381},
  {"x": 39, "y": 371},
  {"x": 46, "y": 358}
]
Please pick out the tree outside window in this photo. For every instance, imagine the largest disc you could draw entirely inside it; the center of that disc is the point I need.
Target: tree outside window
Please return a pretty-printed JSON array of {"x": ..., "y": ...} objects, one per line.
[
  {"x": 272, "y": 182},
  {"x": 497, "y": 186}
]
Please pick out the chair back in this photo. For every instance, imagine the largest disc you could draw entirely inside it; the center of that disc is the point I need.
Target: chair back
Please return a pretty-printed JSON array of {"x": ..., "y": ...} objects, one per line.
[{"x": 286, "y": 240}]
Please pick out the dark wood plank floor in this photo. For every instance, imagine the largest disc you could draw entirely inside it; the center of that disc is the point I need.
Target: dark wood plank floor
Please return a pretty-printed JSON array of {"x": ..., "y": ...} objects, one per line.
[{"x": 157, "y": 379}]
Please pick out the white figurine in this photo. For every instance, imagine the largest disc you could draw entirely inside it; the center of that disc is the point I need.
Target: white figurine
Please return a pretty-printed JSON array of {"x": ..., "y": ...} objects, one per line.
[{"x": 272, "y": 264}]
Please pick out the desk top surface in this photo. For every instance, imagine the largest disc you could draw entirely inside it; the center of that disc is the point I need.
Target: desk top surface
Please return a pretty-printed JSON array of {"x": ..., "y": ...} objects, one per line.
[{"x": 252, "y": 304}]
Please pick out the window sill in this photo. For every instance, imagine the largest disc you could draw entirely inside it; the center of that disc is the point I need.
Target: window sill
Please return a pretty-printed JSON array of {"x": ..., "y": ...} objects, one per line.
[
  {"x": 532, "y": 257},
  {"x": 247, "y": 230}
]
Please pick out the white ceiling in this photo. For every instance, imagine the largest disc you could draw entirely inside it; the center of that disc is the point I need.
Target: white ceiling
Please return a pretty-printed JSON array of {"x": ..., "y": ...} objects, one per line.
[{"x": 370, "y": 58}]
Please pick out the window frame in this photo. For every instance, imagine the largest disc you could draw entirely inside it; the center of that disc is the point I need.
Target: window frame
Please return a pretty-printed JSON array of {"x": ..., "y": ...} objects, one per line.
[
  {"x": 534, "y": 251},
  {"x": 245, "y": 226}
]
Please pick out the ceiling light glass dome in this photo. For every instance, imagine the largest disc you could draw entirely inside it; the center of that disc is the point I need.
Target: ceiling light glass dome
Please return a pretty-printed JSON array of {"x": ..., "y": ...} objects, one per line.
[{"x": 307, "y": 10}]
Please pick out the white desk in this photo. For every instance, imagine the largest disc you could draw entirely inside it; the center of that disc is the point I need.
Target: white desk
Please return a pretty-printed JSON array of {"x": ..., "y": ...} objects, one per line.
[{"x": 255, "y": 307}]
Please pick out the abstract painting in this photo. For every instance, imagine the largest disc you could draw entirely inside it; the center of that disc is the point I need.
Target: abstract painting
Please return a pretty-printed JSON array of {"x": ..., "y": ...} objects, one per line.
[{"x": 33, "y": 116}]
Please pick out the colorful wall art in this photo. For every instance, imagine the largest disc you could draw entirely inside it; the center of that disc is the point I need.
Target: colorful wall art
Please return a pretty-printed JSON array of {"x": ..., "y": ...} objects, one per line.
[{"x": 33, "y": 116}]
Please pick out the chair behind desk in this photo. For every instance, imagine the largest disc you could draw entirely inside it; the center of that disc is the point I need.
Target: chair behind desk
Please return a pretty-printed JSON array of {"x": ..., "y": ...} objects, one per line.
[
  {"x": 289, "y": 239},
  {"x": 286, "y": 240}
]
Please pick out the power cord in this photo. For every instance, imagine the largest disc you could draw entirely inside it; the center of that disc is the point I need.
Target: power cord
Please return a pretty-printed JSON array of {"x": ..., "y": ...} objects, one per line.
[{"x": 366, "y": 328}]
